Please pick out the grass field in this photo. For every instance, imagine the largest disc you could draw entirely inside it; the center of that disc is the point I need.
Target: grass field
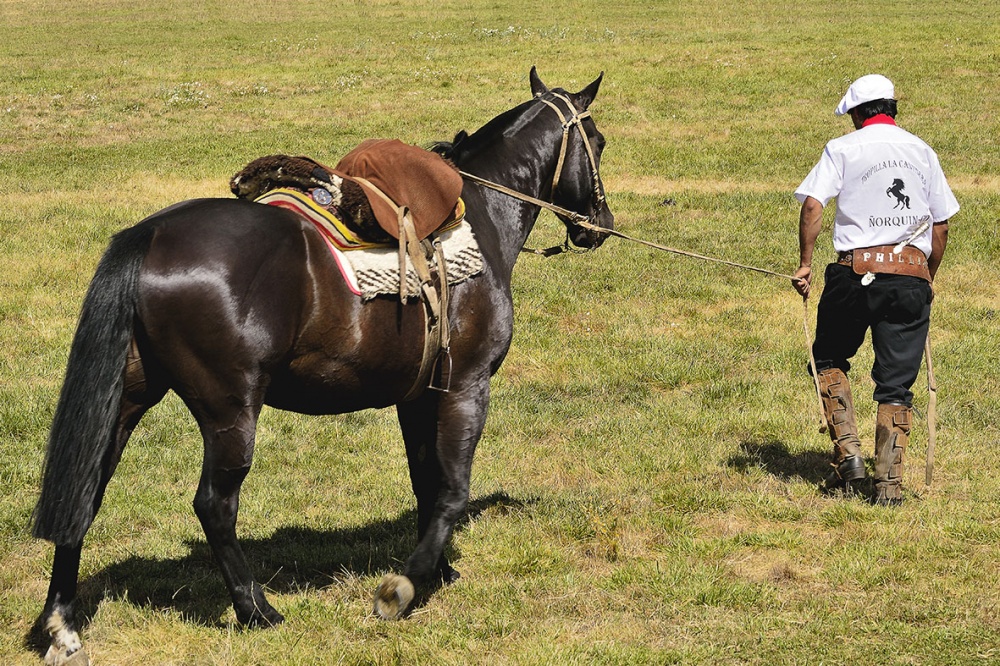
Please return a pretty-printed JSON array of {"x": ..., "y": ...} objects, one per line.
[{"x": 646, "y": 489}]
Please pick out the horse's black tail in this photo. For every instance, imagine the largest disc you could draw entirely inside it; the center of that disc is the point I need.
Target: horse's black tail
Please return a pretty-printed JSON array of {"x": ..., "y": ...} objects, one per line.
[{"x": 87, "y": 412}]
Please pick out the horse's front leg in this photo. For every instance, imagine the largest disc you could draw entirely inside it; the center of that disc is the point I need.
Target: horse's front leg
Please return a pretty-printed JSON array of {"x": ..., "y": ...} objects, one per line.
[
  {"x": 228, "y": 453},
  {"x": 440, "y": 444},
  {"x": 418, "y": 420}
]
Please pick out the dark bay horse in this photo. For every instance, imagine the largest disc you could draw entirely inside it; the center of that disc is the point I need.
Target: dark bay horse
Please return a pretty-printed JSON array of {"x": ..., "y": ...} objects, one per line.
[{"x": 235, "y": 305}]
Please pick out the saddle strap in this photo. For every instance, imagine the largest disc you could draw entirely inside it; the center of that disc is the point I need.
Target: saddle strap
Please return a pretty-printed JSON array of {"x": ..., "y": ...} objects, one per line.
[
  {"x": 437, "y": 333},
  {"x": 437, "y": 329},
  {"x": 444, "y": 324}
]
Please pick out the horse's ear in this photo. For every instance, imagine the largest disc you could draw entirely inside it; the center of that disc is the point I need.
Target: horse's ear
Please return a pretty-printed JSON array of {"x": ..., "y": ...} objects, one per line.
[
  {"x": 537, "y": 87},
  {"x": 586, "y": 96}
]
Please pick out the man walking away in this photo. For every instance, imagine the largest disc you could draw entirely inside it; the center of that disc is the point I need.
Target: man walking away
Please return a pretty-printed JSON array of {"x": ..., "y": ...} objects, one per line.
[{"x": 889, "y": 189}]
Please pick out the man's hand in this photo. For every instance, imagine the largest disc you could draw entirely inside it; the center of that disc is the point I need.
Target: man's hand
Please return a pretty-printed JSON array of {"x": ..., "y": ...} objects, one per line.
[
  {"x": 802, "y": 283},
  {"x": 810, "y": 223}
]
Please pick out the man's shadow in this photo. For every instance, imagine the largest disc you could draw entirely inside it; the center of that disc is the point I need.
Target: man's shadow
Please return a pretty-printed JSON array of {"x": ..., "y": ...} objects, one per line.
[
  {"x": 291, "y": 560},
  {"x": 774, "y": 458}
]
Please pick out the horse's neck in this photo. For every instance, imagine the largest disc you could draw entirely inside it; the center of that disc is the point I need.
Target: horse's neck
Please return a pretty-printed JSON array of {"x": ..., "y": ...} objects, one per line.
[{"x": 514, "y": 219}]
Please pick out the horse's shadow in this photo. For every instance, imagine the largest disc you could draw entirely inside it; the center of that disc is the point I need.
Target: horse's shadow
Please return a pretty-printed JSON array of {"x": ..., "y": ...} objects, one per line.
[
  {"x": 774, "y": 458},
  {"x": 291, "y": 560}
]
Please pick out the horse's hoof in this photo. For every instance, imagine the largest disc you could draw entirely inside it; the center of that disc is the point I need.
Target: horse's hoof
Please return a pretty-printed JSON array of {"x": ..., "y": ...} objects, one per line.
[
  {"x": 264, "y": 618},
  {"x": 58, "y": 657},
  {"x": 272, "y": 619},
  {"x": 449, "y": 575},
  {"x": 393, "y": 597},
  {"x": 259, "y": 616},
  {"x": 65, "y": 649}
]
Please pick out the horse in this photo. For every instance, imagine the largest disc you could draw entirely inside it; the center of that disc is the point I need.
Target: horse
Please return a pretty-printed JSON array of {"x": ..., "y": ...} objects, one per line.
[
  {"x": 234, "y": 305},
  {"x": 896, "y": 190}
]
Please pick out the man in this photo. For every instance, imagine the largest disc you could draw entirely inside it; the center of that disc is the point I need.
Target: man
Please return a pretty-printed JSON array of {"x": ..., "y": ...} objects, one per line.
[{"x": 888, "y": 185}]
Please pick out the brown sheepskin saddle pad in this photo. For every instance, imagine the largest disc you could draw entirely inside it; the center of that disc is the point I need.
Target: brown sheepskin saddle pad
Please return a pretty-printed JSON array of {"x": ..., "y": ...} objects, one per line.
[{"x": 369, "y": 189}]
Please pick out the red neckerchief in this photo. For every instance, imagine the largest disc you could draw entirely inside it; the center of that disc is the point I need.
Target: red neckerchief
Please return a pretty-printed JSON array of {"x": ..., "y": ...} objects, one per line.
[{"x": 880, "y": 119}]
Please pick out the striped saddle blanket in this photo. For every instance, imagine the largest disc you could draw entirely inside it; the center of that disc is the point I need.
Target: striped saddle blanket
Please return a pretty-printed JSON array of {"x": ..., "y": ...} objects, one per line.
[{"x": 371, "y": 269}]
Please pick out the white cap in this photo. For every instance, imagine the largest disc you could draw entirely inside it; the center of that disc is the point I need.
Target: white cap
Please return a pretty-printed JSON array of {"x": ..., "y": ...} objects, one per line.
[{"x": 866, "y": 89}]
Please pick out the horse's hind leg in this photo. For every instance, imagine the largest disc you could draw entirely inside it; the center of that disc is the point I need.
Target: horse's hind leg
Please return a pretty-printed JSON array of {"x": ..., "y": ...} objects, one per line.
[
  {"x": 142, "y": 390},
  {"x": 57, "y": 620},
  {"x": 229, "y": 441}
]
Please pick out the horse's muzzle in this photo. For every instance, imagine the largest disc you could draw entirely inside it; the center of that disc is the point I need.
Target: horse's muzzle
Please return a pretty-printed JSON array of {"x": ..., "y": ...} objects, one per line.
[{"x": 588, "y": 238}]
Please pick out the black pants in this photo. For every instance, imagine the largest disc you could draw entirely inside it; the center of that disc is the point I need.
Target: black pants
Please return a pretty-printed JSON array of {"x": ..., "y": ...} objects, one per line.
[{"x": 897, "y": 309}]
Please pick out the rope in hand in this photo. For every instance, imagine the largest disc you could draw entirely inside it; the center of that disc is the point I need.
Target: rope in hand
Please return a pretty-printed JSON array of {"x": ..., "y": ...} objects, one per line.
[{"x": 613, "y": 232}]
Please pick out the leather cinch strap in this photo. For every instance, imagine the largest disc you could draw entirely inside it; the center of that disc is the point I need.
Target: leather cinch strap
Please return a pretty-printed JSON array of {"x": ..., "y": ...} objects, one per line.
[{"x": 437, "y": 332}]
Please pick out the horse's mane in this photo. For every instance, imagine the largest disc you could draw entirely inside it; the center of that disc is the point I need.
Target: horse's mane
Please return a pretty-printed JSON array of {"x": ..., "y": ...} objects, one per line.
[
  {"x": 464, "y": 145},
  {"x": 446, "y": 149}
]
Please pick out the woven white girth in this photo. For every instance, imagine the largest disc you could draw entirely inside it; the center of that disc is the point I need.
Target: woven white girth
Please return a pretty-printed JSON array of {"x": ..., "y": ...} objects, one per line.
[{"x": 377, "y": 270}]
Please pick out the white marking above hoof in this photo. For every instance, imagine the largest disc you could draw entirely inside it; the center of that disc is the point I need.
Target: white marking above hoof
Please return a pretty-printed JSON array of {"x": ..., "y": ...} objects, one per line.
[
  {"x": 393, "y": 597},
  {"x": 66, "y": 648}
]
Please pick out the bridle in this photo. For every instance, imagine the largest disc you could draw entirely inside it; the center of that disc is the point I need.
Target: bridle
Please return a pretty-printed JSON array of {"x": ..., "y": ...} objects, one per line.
[{"x": 575, "y": 119}]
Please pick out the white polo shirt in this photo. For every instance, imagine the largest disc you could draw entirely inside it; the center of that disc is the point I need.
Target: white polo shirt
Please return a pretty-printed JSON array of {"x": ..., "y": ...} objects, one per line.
[{"x": 885, "y": 180}]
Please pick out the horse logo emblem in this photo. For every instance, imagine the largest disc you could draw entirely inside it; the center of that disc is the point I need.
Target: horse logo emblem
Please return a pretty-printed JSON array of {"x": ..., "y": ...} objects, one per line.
[{"x": 902, "y": 200}]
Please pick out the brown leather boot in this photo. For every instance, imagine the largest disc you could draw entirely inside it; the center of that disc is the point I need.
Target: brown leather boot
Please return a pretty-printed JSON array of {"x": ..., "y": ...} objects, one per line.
[
  {"x": 892, "y": 434},
  {"x": 848, "y": 463}
]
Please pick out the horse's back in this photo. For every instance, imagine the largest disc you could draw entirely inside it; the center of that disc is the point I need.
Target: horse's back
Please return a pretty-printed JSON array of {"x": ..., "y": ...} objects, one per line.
[
  {"x": 240, "y": 296},
  {"x": 236, "y": 231}
]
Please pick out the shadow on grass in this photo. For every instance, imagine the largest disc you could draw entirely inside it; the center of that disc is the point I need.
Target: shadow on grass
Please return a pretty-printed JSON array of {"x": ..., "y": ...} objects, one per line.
[
  {"x": 291, "y": 560},
  {"x": 774, "y": 458}
]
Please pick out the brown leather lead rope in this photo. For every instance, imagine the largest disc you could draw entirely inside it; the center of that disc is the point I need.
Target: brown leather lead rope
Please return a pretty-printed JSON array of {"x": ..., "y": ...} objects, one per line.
[
  {"x": 584, "y": 221},
  {"x": 612, "y": 232}
]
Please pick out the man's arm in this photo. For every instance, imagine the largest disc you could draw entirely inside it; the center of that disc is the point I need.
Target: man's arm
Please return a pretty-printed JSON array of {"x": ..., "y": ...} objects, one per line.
[
  {"x": 810, "y": 224},
  {"x": 939, "y": 241}
]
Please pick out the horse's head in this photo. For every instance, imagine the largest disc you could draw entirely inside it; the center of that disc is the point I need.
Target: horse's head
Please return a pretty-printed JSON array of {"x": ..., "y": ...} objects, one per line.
[{"x": 577, "y": 184}]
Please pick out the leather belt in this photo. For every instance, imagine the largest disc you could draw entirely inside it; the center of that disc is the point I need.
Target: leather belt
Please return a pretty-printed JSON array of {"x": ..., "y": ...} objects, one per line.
[{"x": 881, "y": 259}]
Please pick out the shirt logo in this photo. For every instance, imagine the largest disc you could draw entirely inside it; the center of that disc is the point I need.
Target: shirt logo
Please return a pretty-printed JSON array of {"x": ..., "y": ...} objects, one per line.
[{"x": 896, "y": 190}]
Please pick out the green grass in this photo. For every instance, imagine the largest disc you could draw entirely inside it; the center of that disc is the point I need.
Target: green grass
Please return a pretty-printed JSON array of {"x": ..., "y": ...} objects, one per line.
[{"x": 645, "y": 490}]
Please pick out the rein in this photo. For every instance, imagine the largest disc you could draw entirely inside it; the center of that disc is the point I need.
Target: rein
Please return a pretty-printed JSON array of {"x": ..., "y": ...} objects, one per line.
[
  {"x": 585, "y": 222},
  {"x": 573, "y": 216}
]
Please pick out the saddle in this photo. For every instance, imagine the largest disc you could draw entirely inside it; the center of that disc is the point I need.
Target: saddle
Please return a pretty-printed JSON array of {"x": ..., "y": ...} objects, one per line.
[
  {"x": 383, "y": 191},
  {"x": 345, "y": 204}
]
